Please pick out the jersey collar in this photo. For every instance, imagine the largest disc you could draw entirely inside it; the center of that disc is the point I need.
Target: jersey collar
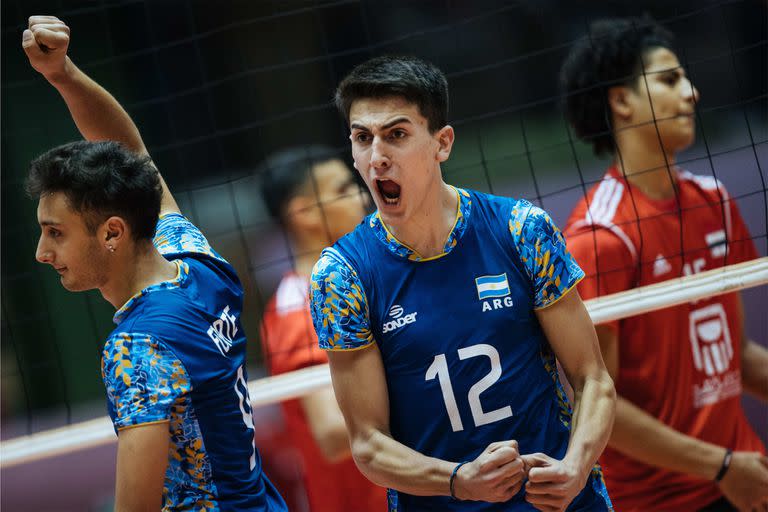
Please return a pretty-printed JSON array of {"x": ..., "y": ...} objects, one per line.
[
  {"x": 182, "y": 271},
  {"x": 400, "y": 249}
]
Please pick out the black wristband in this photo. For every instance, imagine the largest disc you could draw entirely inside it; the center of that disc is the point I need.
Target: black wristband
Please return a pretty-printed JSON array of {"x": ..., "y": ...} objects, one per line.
[
  {"x": 726, "y": 464},
  {"x": 453, "y": 476}
]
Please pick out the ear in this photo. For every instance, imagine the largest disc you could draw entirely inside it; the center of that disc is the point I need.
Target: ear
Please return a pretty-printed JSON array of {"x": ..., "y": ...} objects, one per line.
[
  {"x": 445, "y": 137},
  {"x": 301, "y": 214},
  {"x": 619, "y": 101},
  {"x": 113, "y": 232}
]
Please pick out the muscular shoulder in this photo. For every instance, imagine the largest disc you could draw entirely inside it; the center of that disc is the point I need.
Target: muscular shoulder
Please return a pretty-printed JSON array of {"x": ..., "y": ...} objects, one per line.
[
  {"x": 605, "y": 241},
  {"x": 176, "y": 236},
  {"x": 605, "y": 204},
  {"x": 338, "y": 303},
  {"x": 708, "y": 186},
  {"x": 143, "y": 378},
  {"x": 541, "y": 248}
]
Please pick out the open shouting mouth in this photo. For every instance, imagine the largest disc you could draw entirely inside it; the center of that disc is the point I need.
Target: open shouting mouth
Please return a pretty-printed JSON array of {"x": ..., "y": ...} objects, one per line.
[{"x": 389, "y": 191}]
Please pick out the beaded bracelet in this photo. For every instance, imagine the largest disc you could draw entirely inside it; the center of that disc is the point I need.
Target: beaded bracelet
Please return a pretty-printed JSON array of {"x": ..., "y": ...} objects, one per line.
[
  {"x": 726, "y": 464},
  {"x": 453, "y": 476}
]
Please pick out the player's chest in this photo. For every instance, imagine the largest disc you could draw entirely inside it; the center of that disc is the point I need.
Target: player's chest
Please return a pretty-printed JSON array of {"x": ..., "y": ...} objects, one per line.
[
  {"x": 448, "y": 303},
  {"x": 679, "y": 243}
]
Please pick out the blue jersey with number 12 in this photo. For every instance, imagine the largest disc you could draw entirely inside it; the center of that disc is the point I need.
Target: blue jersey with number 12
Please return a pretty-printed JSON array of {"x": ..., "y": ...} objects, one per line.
[
  {"x": 177, "y": 355},
  {"x": 466, "y": 361}
]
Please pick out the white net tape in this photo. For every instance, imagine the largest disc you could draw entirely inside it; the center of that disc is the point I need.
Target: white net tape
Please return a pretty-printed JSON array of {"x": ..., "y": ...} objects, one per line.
[{"x": 88, "y": 434}]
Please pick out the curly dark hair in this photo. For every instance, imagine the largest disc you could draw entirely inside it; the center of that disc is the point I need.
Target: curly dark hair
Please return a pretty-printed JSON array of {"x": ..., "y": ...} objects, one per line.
[
  {"x": 612, "y": 54},
  {"x": 99, "y": 180},
  {"x": 417, "y": 81}
]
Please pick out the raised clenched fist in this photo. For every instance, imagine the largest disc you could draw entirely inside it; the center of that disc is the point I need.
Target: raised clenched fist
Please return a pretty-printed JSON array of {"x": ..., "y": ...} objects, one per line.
[{"x": 45, "y": 42}]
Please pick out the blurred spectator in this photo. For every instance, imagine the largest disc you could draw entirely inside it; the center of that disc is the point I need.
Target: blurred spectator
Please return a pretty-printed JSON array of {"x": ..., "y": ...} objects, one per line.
[{"x": 316, "y": 199}]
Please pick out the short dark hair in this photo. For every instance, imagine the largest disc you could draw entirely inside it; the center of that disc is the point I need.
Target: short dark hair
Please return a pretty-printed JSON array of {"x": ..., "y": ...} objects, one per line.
[
  {"x": 99, "y": 180},
  {"x": 284, "y": 172},
  {"x": 612, "y": 54},
  {"x": 417, "y": 81}
]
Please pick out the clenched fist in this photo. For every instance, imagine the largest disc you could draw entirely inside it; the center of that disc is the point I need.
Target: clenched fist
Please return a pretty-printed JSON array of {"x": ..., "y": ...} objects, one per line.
[
  {"x": 45, "y": 42},
  {"x": 496, "y": 475}
]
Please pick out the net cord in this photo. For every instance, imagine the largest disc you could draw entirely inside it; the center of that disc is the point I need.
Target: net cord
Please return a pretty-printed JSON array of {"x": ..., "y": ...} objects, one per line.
[{"x": 268, "y": 390}]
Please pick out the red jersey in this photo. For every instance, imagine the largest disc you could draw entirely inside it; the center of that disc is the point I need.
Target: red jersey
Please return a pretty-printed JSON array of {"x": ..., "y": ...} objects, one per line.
[
  {"x": 290, "y": 343},
  {"x": 681, "y": 364}
]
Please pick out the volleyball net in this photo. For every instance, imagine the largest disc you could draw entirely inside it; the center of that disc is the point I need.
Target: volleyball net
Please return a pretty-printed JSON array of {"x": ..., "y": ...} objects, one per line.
[
  {"x": 220, "y": 90},
  {"x": 89, "y": 434}
]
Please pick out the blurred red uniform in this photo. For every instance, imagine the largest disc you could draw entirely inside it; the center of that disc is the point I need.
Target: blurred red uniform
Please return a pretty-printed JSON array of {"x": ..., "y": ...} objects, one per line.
[
  {"x": 290, "y": 343},
  {"x": 680, "y": 364}
]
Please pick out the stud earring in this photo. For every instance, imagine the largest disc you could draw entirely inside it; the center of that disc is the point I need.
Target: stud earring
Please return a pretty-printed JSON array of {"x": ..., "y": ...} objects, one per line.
[{"x": 111, "y": 249}]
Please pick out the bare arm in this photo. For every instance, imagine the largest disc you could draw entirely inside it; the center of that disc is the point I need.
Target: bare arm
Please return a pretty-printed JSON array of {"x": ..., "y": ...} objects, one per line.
[
  {"x": 572, "y": 336},
  {"x": 96, "y": 113},
  {"x": 754, "y": 369},
  {"x": 661, "y": 445},
  {"x": 326, "y": 424},
  {"x": 643, "y": 437},
  {"x": 142, "y": 458},
  {"x": 494, "y": 476},
  {"x": 754, "y": 362}
]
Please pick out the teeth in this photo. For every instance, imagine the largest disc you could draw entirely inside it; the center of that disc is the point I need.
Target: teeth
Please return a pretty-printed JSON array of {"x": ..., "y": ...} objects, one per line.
[{"x": 390, "y": 200}]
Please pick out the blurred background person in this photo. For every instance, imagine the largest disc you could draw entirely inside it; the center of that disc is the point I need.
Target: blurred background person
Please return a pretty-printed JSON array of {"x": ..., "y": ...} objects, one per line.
[
  {"x": 316, "y": 199},
  {"x": 681, "y": 440}
]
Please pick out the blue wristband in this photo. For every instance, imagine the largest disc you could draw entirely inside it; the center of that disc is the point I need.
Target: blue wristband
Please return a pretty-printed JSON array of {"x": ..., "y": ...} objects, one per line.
[{"x": 453, "y": 476}]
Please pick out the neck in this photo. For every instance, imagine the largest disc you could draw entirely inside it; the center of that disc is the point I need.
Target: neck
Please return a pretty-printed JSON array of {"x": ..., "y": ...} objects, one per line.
[
  {"x": 306, "y": 246},
  {"x": 135, "y": 272},
  {"x": 305, "y": 262},
  {"x": 646, "y": 165},
  {"x": 427, "y": 230}
]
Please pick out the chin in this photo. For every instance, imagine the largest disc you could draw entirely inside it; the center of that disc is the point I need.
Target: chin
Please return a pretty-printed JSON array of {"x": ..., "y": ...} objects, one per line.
[
  {"x": 74, "y": 286},
  {"x": 678, "y": 145},
  {"x": 70, "y": 287}
]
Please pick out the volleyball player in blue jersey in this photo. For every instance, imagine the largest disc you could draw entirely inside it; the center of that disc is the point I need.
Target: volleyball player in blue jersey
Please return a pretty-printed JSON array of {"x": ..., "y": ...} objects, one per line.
[
  {"x": 174, "y": 366},
  {"x": 443, "y": 313}
]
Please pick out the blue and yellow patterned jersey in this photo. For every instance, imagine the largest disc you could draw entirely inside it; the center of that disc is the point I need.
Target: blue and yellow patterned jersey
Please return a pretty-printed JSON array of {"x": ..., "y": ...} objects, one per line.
[
  {"x": 177, "y": 355},
  {"x": 466, "y": 361}
]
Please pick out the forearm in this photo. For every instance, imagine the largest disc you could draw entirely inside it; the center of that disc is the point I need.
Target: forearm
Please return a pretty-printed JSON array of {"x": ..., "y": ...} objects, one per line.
[
  {"x": 334, "y": 445},
  {"x": 754, "y": 369},
  {"x": 389, "y": 463},
  {"x": 641, "y": 436},
  {"x": 326, "y": 424},
  {"x": 593, "y": 416},
  {"x": 94, "y": 110},
  {"x": 99, "y": 116}
]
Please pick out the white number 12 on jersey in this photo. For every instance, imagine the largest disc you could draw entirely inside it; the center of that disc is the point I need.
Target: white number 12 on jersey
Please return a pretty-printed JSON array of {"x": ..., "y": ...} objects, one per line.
[{"x": 439, "y": 369}]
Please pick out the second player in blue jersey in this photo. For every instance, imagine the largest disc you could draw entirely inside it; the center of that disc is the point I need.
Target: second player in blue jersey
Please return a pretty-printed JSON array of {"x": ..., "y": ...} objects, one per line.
[
  {"x": 174, "y": 366},
  {"x": 444, "y": 313}
]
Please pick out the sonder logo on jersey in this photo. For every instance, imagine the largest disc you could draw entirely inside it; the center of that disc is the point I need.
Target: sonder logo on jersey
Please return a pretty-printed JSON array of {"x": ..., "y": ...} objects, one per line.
[
  {"x": 493, "y": 292},
  {"x": 223, "y": 331},
  {"x": 398, "y": 319}
]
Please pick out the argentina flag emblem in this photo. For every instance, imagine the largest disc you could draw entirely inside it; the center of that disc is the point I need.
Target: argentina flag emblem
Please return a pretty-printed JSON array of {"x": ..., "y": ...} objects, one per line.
[{"x": 492, "y": 286}]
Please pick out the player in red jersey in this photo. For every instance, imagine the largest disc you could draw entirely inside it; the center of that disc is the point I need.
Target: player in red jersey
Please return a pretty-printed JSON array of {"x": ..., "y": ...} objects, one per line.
[
  {"x": 681, "y": 441},
  {"x": 313, "y": 194}
]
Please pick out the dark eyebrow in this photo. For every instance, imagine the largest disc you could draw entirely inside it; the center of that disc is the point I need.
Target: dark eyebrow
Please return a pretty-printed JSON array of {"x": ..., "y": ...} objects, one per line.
[
  {"x": 390, "y": 124},
  {"x": 49, "y": 223},
  {"x": 676, "y": 70},
  {"x": 396, "y": 121}
]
